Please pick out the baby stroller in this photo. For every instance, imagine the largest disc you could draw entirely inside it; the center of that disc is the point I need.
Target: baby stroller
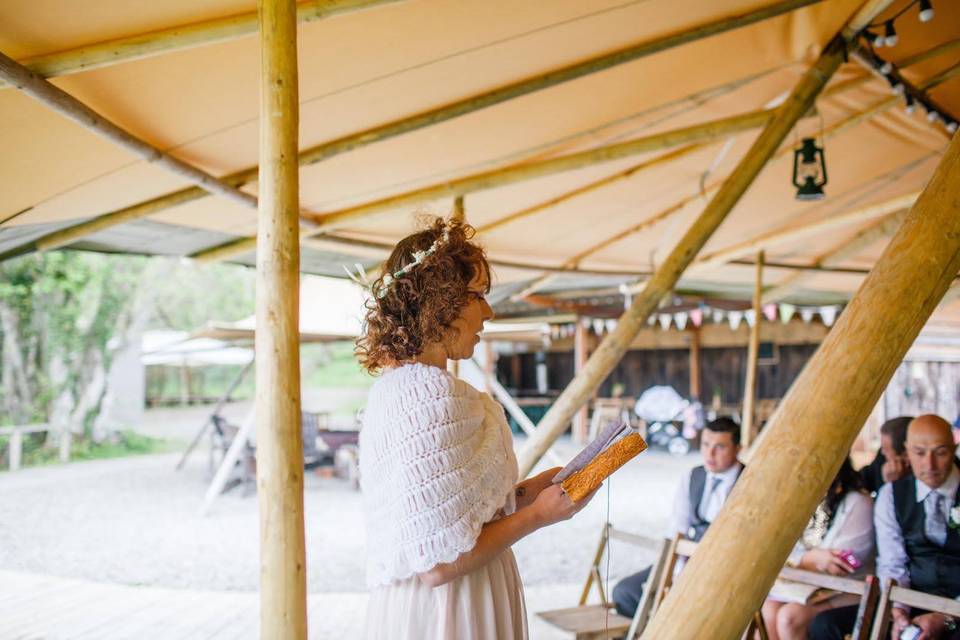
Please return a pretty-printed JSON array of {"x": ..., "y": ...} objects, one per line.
[{"x": 672, "y": 421}]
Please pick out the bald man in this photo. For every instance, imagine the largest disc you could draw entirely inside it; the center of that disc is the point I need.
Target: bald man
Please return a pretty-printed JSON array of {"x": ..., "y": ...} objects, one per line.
[{"x": 918, "y": 545}]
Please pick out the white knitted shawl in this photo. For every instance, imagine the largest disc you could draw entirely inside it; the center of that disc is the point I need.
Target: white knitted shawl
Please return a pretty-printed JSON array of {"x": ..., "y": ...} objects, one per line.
[{"x": 436, "y": 464}]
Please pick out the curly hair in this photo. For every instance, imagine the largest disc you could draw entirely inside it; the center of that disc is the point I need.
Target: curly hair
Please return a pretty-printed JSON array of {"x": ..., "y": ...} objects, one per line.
[{"x": 419, "y": 307}]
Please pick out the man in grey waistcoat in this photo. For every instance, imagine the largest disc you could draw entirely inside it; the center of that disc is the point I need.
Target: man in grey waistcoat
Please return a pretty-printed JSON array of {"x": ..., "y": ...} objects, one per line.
[
  {"x": 698, "y": 500},
  {"x": 918, "y": 535}
]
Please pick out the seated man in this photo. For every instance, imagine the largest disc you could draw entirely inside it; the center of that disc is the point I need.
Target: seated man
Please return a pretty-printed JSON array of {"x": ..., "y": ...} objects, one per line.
[
  {"x": 917, "y": 538},
  {"x": 891, "y": 462},
  {"x": 699, "y": 497}
]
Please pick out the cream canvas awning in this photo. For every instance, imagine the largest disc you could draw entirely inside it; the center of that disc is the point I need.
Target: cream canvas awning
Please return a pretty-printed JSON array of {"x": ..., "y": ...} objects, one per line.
[{"x": 367, "y": 66}]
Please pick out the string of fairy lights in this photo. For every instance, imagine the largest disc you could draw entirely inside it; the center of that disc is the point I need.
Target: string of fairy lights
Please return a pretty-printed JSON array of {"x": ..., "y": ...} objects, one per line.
[{"x": 888, "y": 38}]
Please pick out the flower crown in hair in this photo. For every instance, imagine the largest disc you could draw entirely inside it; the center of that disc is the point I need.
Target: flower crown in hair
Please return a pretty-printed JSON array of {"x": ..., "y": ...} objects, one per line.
[{"x": 388, "y": 279}]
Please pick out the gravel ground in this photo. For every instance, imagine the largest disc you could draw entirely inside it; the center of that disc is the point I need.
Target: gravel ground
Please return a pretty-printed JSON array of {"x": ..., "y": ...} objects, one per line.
[{"x": 136, "y": 521}]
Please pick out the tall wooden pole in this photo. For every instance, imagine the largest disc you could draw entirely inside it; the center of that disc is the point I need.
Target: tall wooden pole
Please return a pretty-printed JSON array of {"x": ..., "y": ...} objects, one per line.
[
  {"x": 616, "y": 343},
  {"x": 748, "y": 429},
  {"x": 812, "y": 430},
  {"x": 695, "y": 375},
  {"x": 581, "y": 351},
  {"x": 283, "y": 569}
]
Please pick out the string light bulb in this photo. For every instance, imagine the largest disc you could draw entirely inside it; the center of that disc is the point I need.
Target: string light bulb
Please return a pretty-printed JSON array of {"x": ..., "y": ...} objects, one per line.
[
  {"x": 932, "y": 115},
  {"x": 911, "y": 104},
  {"x": 926, "y": 11},
  {"x": 886, "y": 68},
  {"x": 952, "y": 127},
  {"x": 890, "y": 32}
]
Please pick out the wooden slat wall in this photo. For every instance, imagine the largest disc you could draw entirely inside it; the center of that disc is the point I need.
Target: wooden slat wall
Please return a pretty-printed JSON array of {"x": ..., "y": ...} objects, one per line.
[{"x": 722, "y": 368}]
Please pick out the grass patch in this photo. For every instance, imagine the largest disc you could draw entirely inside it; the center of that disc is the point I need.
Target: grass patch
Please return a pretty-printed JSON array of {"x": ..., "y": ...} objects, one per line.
[
  {"x": 333, "y": 366},
  {"x": 119, "y": 445}
]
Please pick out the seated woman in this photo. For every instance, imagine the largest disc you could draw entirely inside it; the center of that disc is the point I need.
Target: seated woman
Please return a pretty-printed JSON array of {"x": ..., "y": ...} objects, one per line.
[{"x": 839, "y": 540}]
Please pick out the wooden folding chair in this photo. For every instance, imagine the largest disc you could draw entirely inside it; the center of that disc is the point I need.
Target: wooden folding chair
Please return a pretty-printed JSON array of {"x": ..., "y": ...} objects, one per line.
[
  {"x": 867, "y": 589},
  {"x": 599, "y": 621},
  {"x": 892, "y": 594},
  {"x": 681, "y": 547}
]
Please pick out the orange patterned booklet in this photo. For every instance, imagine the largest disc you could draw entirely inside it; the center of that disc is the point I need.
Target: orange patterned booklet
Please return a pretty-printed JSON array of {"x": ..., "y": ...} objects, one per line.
[{"x": 617, "y": 445}]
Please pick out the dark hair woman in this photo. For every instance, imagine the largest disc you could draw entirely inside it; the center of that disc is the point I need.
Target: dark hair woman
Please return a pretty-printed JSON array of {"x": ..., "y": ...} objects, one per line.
[
  {"x": 839, "y": 540},
  {"x": 437, "y": 467}
]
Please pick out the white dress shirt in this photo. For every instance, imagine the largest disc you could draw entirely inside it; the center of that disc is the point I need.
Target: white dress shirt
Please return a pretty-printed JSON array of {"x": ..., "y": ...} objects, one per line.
[
  {"x": 709, "y": 504},
  {"x": 892, "y": 560}
]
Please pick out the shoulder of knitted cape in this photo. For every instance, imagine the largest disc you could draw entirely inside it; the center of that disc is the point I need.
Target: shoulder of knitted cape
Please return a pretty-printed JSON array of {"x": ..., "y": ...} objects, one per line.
[{"x": 434, "y": 469}]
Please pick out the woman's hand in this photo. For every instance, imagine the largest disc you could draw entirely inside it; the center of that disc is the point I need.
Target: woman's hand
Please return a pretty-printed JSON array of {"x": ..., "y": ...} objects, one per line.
[
  {"x": 825, "y": 561},
  {"x": 554, "y": 505},
  {"x": 528, "y": 490},
  {"x": 901, "y": 620}
]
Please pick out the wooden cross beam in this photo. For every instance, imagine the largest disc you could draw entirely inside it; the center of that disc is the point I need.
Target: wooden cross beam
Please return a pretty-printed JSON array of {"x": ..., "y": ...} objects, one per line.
[
  {"x": 66, "y": 105},
  {"x": 511, "y": 175},
  {"x": 793, "y": 232},
  {"x": 186, "y": 36},
  {"x": 838, "y": 255},
  {"x": 440, "y": 114}
]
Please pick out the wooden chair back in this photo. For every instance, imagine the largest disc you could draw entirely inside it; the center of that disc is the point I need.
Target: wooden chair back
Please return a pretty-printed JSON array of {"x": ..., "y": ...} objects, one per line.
[
  {"x": 597, "y": 621},
  {"x": 867, "y": 589},
  {"x": 892, "y": 594}
]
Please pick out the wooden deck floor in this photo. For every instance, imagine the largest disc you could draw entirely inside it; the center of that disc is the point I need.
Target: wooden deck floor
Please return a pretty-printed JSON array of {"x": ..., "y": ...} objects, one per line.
[{"x": 36, "y": 607}]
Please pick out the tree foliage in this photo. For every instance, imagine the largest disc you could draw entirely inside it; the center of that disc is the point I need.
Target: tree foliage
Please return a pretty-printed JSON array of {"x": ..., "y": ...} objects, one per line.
[{"x": 65, "y": 314}]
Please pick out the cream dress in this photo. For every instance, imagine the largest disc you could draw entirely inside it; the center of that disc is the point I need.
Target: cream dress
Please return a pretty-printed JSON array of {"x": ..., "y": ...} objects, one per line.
[
  {"x": 484, "y": 605},
  {"x": 436, "y": 463}
]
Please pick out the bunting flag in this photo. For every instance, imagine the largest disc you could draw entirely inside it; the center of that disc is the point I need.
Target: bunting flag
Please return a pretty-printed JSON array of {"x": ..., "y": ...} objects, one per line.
[
  {"x": 806, "y": 314},
  {"x": 786, "y": 312},
  {"x": 750, "y": 316},
  {"x": 696, "y": 316},
  {"x": 735, "y": 317},
  {"x": 610, "y": 324},
  {"x": 717, "y": 315},
  {"x": 681, "y": 319},
  {"x": 829, "y": 315},
  {"x": 652, "y": 319},
  {"x": 598, "y": 326},
  {"x": 770, "y": 312},
  {"x": 665, "y": 319}
]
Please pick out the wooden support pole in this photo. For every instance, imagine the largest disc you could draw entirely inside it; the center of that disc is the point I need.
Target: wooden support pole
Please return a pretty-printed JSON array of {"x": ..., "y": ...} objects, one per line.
[
  {"x": 581, "y": 352},
  {"x": 748, "y": 428},
  {"x": 838, "y": 255},
  {"x": 695, "y": 371},
  {"x": 459, "y": 213},
  {"x": 186, "y": 36},
  {"x": 616, "y": 343},
  {"x": 283, "y": 569},
  {"x": 815, "y": 425},
  {"x": 15, "y": 449},
  {"x": 66, "y": 105}
]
